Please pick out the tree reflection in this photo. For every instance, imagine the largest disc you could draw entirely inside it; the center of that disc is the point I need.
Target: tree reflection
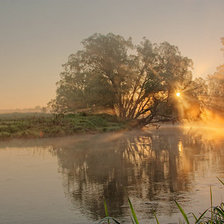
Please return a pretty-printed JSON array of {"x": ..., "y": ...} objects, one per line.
[{"x": 148, "y": 167}]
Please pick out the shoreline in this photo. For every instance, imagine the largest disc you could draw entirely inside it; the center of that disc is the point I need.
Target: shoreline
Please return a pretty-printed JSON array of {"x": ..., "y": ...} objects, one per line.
[
  {"x": 37, "y": 126},
  {"x": 40, "y": 126}
]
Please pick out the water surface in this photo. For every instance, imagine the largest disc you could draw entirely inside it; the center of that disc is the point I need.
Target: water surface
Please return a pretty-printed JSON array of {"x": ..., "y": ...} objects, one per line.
[{"x": 65, "y": 180}]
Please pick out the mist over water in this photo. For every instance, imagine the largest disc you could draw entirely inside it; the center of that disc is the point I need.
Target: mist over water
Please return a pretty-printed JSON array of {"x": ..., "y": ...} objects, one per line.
[{"x": 65, "y": 180}]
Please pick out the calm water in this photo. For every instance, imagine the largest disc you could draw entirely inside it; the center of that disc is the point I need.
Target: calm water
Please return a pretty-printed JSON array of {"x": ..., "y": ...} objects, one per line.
[{"x": 65, "y": 180}]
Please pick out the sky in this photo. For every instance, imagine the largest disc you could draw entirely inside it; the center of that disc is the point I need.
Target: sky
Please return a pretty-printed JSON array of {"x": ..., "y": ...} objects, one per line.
[{"x": 37, "y": 36}]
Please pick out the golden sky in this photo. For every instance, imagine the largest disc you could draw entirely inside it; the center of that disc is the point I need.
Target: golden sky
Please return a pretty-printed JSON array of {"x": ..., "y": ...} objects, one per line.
[{"x": 36, "y": 37}]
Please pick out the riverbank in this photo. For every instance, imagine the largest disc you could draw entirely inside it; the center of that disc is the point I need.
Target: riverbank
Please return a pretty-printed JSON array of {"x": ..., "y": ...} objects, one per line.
[{"x": 39, "y": 125}]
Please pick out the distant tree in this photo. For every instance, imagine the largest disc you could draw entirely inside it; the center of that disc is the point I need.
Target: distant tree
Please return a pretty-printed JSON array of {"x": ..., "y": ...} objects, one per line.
[
  {"x": 216, "y": 86},
  {"x": 133, "y": 80}
]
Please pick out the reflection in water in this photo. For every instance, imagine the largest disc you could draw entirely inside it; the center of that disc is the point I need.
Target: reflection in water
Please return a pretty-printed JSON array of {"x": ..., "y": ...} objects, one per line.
[{"x": 153, "y": 169}]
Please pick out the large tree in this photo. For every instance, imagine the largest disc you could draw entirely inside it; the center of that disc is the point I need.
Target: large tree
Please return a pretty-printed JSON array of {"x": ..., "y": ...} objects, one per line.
[{"x": 133, "y": 80}]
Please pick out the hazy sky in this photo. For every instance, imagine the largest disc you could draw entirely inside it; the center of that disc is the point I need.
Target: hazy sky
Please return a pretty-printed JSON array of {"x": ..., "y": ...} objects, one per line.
[{"x": 37, "y": 36}]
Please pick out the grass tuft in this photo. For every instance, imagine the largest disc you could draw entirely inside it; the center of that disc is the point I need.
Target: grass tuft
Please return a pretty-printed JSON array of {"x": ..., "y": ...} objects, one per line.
[{"x": 216, "y": 217}]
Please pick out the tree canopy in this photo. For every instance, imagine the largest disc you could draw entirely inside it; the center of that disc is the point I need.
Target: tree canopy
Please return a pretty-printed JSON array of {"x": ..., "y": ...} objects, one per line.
[{"x": 136, "y": 81}]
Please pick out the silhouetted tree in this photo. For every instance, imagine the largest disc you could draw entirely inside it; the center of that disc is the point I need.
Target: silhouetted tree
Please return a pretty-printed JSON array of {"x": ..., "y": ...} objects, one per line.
[{"x": 133, "y": 80}]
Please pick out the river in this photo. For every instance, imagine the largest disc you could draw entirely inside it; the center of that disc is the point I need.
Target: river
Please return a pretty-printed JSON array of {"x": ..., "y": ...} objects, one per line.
[{"x": 66, "y": 180}]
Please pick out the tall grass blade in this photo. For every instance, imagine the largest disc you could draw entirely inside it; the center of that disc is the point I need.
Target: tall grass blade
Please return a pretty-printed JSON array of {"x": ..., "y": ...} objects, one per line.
[
  {"x": 133, "y": 212},
  {"x": 106, "y": 211},
  {"x": 220, "y": 181},
  {"x": 195, "y": 217},
  {"x": 157, "y": 221},
  {"x": 105, "y": 208},
  {"x": 201, "y": 216},
  {"x": 211, "y": 204},
  {"x": 182, "y": 212}
]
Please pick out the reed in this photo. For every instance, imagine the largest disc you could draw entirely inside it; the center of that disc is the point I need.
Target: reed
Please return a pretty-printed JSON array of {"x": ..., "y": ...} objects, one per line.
[{"x": 212, "y": 215}]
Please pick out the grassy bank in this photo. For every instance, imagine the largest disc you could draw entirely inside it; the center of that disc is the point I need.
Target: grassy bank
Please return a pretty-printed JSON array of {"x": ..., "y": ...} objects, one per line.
[{"x": 36, "y": 125}]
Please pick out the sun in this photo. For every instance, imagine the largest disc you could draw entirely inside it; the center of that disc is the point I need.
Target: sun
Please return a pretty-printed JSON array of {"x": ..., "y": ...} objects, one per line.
[{"x": 178, "y": 94}]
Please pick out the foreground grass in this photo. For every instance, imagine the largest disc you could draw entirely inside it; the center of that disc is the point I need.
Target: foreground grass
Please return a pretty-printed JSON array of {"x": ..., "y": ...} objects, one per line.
[
  {"x": 212, "y": 215},
  {"x": 35, "y": 125}
]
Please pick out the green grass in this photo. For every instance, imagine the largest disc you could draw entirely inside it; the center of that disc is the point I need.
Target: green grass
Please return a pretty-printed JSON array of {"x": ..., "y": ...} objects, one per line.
[
  {"x": 133, "y": 217},
  {"x": 216, "y": 213},
  {"x": 36, "y": 125}
]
